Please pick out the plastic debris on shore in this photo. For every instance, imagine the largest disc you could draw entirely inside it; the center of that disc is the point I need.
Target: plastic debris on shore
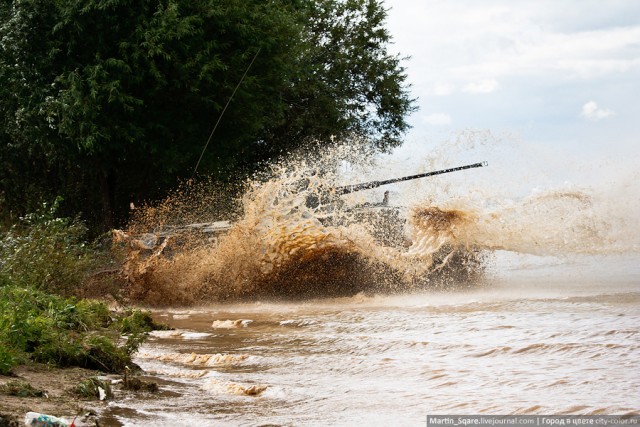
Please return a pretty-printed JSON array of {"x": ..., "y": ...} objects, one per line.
[{"x": 36, "y": 419}]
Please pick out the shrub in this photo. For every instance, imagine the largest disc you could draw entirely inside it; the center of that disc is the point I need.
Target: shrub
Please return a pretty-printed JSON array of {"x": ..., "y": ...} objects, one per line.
[
  {"x": 43, "y": 256},
  {"x": 8, "y": 360},
  {"x": 65, "y": 331},
  {"x": 136, "y": 324},
  {"x": 46, "y": 252}
]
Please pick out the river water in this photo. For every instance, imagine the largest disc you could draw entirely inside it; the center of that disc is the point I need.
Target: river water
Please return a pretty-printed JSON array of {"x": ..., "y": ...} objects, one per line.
[
  {"x": 461, "y": 301},
  {"x": 518, "y": 346}
]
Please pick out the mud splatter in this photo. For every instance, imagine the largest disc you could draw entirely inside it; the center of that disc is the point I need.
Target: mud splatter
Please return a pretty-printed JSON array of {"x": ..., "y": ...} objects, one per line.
[{"x": 290, "y": 236}]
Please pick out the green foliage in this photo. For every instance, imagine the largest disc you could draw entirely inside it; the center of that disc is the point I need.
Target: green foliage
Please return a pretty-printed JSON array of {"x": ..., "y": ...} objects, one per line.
[
  {"x": 132, "y": 321},
  {"x": 109, "y": 101},
  {"x": 135, "y": 324},
  {"x": 45, "y": 251},
  {"x": 42, "y": 255},
  {"x": 63, "y": 331},
  {"x": 103, "y": 353},
  {"x": 88, "y": 388},
  {"x": 7, "y": 360},
  {"x": 346, "y": 82},
  {"x": 122, "y": 96}
]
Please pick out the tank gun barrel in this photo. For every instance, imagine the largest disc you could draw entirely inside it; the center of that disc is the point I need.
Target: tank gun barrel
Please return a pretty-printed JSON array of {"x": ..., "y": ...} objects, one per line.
[{"x": 347, "y": 189}]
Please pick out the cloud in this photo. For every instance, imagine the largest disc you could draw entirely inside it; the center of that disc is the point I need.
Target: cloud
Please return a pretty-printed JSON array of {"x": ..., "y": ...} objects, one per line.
[
  {"x": 443, "y": 89},
  {"x": 499, "y": 39},
  {"x": 523, "y": 67},
  {"x": 584, "y": 56},
  {"x": 591, "y": 111},
  {"x": 438, "y": 119},
  {"x": 482, "y": 86},
  {"x": 475, "y": 87}
]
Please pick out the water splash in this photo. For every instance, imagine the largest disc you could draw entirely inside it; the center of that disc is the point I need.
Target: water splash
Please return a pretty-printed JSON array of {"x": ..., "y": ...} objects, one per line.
[{"x": 292, "y": 237}]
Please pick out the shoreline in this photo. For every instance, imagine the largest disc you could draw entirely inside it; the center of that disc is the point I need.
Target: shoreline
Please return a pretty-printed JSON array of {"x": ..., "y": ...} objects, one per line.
[{"x": 58, "y": 401}]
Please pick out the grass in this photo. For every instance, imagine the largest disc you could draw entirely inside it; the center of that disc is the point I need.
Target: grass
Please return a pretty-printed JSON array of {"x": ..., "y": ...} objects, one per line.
[
  {"x": 43, "y": 259},
  {"x": 65, "y": 331}
]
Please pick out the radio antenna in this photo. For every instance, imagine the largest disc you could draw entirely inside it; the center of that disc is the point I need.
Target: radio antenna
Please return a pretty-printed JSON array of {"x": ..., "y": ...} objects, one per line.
[{"x": 222, "y": 113}]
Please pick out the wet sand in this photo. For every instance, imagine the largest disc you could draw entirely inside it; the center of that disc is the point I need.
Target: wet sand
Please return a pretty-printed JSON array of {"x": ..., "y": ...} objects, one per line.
[{"x": 56, "y": 383}]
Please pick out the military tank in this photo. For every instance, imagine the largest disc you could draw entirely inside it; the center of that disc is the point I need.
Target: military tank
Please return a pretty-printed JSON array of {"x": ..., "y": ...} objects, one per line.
[
  {"x": 324, "y": 271},
  {"x": 383, "y": 216}
]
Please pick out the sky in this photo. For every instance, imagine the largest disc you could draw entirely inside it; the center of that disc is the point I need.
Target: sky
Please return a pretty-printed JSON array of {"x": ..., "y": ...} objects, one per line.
[{"x": 562, "y": 77}]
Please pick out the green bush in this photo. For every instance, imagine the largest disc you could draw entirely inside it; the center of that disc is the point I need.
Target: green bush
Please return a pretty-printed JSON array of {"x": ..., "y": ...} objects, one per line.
[
  {"x": 43, "y": 259},
  {"x": 135, "y": 324},
  {"x": 65, "y": 331},
  {"x": 46, "y": 252},
  {"x": 7, "y": 360}
]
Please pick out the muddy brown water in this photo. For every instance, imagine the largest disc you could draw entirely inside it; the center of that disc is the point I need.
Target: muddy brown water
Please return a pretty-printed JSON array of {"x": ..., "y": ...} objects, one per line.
[
  {"x": 548, "y": 324},
  {"x": 530, "y": 345}
]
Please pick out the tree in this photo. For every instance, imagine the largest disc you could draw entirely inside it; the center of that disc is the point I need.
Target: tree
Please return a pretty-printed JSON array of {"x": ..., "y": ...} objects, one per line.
[
  {"x": 346, "y": 80},
  {"x": 105, "y": 101},
  {"x": 116, "y": 97}
]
